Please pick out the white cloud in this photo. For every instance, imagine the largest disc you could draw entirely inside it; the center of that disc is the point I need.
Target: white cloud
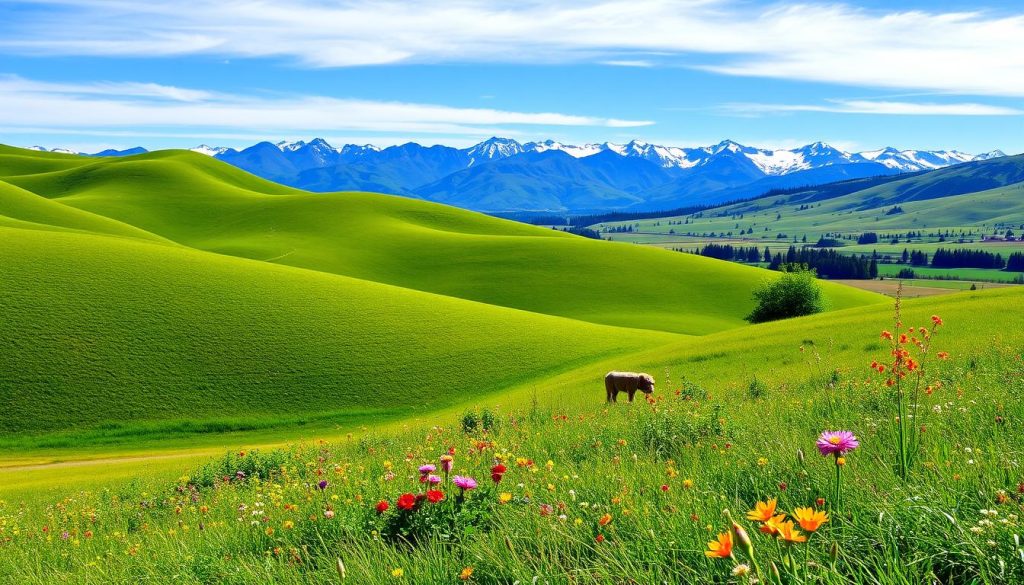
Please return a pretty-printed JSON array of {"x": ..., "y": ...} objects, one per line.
[
  {"x": 31, "y": 104},
  {"x": 961, "y": 52},
  {"x": 875, "y": 107}
]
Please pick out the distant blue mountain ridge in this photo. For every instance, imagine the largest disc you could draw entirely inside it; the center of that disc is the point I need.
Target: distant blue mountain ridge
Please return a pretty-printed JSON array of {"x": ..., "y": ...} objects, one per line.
[{"x": 503, "y": 175}]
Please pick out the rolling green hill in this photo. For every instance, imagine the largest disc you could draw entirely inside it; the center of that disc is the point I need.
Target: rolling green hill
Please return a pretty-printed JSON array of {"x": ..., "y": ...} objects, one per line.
[
  {"x": 202, "y": 203},
  {"x": 171, "y": 286},
  {"x": 100, "y": 329},
  {"x": 974, "y": 196}
]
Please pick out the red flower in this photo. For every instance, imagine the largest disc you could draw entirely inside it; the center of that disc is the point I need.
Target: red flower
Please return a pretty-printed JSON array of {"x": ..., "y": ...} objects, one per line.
[
  {"x": 406, "y": 501},
  {"x": 496, "y": 477},
  {"x": 382, "y": 506},
  {"x": 936, "y": 320},
  {"x": 499, "y": 469},
  {"x": 820, "y": 502},
  {"x": 664, "y": 487},
  {"x": 943, "y": 355},
  {"x": 435, "y": 496},
  {"x": 600, "y": 538},
  {"x": 887, "y": 335}
]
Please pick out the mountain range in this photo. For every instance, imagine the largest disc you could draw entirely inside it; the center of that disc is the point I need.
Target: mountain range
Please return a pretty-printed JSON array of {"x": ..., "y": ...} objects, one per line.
[{"x": 503, "y": 175}]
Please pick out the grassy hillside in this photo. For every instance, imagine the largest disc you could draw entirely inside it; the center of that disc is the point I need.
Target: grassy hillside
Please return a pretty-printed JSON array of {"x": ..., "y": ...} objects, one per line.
[
  {"x": 206, "y": 204},
  {"x": 633, "y": 491},
  {"x": 100, "y": 329},
  {"x": 971, "y": 198}
]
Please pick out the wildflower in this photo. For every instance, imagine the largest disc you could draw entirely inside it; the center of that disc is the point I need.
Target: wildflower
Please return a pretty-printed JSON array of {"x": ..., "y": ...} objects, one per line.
[
  {"x": 269, "y": 531},
  {"x": 837, "y": 442},
  {"x": 328, "y": 514},
  {"x": 87, "y": 534},
  {"x": 406, "y": 501},
  {"x": 741, "y": 570},
  {"x": 761, "y": 462},
  {"x": 687, "y": 483},
  {"x": 763, "y": 511},
  {"x": 466, "y": 573},
  {"x": 721, "y": 548},
  {"x": 433, "y": 479},
  {"x": 505, "y": 497},
  {"x": 397, "y": 572},
  {"x": 809, "y": 518},
  {"x": 790, "y": 534},
  {"x": 942, "y": 355},
  {"x": 382, "y": 506},
  {"x": 497, "y": 472},
  {"x": 771, "y": 525},
  {"x": 820, "y": 502},
  {"x": 546, "y": 509},
  {"x": 434, "y": 496},
  {"x": 599, "y": 538},
  {"x": 664, "y": 487},
  {"x": 427, "y": 469},
  {"x": 936, "y": 320},
  {"x": 288, "y": 525},
  {"x": 447, "y": 461},
  {"x": 465, "y": 483},
  {"x": 605, "y": 520},
  {"x": 322, "y": 484},
  {"x": 887, "y": 335}
]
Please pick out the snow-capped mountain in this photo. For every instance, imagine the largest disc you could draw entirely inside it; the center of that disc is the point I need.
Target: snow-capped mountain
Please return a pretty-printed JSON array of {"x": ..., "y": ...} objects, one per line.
[
  {"x": 210, "y": 150},
  {"x": 502, "y": 174},
  {"x": 493, "y": 149}
]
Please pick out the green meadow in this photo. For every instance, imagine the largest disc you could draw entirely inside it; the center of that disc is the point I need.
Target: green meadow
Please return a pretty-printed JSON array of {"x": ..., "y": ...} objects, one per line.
[{"x": 209, "y": 378}]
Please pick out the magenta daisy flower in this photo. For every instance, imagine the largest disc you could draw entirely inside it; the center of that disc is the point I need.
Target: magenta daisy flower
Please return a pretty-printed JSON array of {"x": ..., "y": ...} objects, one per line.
[
  {"x": 428, "y": 468},
  {"x": 463, "y": 482},
  {"x": 837, "y": 443}
]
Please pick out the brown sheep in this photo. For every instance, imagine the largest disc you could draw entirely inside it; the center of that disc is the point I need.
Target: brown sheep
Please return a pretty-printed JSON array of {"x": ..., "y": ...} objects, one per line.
[{"x": 628, "y": 382}]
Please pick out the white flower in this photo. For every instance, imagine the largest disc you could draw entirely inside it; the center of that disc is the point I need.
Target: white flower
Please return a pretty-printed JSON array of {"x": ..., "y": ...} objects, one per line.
[{"x": 740, "y": 570}]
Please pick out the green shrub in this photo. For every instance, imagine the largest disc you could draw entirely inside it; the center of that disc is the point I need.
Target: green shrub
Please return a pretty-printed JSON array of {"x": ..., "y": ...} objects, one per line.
[
  {"x": 757, "y": 389},
  {"x": 793, "y": 294},
  {"x": 470, "y": 421}
]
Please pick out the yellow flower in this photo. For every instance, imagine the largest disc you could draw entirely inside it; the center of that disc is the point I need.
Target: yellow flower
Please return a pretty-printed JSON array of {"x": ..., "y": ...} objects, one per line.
[
  {"x": 269, "y": 531},
  {"x": 397, "y": 572},
  {"x": 763, "y": 511},
  {"x": 721, "y": 548},
  {"x": 687, "y": 483},
  {"x": 466, "y": 574},
  {"x": 809, "y": 518},
  {"x": 761, "y": 462},
  {"x": 771, "y": 526},
  {"x": 790, "y": 534},
  {"x": 288, "y": 525},
  {"x": 505, "y": 497},
  {"x": 840, "y": 461}
]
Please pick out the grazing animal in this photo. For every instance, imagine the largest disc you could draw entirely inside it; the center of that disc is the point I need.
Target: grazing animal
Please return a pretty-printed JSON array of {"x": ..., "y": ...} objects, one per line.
[{"x": 628, "y": 382}]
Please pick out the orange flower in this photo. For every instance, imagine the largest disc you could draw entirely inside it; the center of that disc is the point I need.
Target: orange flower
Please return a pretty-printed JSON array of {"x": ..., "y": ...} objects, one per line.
[
  {"x": 790, "y": 534},
  {"x": 936, "y": 320},
  {"x": 466, "y": 574},
  {"x": 721, "y": 548},
  {"x": 771, "y": 526},
  {"x": 887, "y": 335},
  {"x": 943, "y": 355},
  {"x": 605, "y": 520},
  {"x": 810, "y": 519},
  {"x": 763, "y": 511}
]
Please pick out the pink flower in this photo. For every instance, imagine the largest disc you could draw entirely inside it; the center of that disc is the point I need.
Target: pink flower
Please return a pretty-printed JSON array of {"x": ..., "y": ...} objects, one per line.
[
  {"x": 463, "y": 482},
  {"x": 428, "y": 468},
  {"x": 433, "y": 479},
  {"x": 837, "y": 443},
  {"x": 446, "y": 463}
]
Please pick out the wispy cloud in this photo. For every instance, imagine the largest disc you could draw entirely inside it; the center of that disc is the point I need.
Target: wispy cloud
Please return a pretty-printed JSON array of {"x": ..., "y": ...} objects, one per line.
[
  {"x": 874, "y": 107},
  {"x": 960, "y": 52},
  {"x": 32, "y": 105}
]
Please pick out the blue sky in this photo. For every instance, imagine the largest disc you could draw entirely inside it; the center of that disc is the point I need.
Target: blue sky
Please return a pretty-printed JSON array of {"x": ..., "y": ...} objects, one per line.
[{"x": 91, "y": 74}]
